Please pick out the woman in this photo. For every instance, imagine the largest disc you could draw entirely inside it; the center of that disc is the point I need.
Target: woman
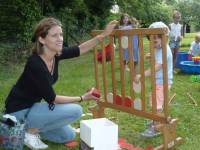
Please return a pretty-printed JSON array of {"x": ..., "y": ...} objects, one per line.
[{"x": 51, "y": 118}]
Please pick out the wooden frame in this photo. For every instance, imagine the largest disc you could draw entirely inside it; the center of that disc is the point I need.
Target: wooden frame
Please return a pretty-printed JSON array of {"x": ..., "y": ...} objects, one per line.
[{"x": 167, "y": 125}]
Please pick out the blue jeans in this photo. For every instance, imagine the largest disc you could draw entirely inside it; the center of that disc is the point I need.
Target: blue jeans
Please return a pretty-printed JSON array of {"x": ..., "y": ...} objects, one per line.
[{"x": 53, "y": 125}]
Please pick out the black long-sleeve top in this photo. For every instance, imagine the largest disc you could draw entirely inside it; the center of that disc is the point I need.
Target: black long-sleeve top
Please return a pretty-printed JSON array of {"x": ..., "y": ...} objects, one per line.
[{"x": 35, "y": 83}]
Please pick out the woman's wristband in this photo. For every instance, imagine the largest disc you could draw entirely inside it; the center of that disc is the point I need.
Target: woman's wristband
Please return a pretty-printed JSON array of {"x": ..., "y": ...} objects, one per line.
[{"x": 81, "y": 99}]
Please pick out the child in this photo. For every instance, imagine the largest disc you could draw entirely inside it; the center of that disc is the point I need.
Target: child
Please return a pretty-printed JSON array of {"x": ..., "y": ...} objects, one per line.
[
  {"x": 129, "y": 23},
  {"x": 125, "y": 24},
  {"x": 175, "y": 35},
  {"x": 195, "y": 46},
  {"x": 150, "y": 131}
]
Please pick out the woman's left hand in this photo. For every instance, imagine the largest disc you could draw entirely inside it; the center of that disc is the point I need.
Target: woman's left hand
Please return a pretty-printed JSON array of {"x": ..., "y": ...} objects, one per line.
[{"x": 109, "y": 28}]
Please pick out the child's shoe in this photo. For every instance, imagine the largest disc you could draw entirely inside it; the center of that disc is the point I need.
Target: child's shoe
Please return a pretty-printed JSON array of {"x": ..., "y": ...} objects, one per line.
[{"x": 151, "y": 131}]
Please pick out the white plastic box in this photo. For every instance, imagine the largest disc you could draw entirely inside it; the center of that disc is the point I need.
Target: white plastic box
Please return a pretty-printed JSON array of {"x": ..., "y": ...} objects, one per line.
[{"x": 100, "y": 134}]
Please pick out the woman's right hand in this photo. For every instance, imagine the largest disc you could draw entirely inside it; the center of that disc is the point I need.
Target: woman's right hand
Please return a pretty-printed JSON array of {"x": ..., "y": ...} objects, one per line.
[{"x": 89, "y": 96}]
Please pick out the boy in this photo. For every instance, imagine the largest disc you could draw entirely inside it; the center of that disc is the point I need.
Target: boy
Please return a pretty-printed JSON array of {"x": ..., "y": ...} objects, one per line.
[
  {"x": 195, "y": 46},
  {"x": 150, "y": 131}
]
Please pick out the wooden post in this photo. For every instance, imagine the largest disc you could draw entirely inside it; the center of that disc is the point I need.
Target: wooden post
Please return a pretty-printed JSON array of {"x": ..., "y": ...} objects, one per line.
[
  {"x": 165, "y": 74},
  {"x": 170, "y": 138},
  {"x": 122, "y": 70},
  {"x": 141, "y": 63},
  {"x": 96, "y": 69},
  {"x": 132, "y": 67},
  {"x": 113, "y": 68},
  {"x": 104, "y": 71},
  {"x": 153, "y": 81}
]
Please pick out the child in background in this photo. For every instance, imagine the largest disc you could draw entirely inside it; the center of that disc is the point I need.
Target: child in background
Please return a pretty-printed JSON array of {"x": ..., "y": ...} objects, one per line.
[
  {"x": 175, "y": 35},
  {"x": 151, "y": 131},
  {"x": 195, "y": 46},
  {"x": 127, "y": 22}
]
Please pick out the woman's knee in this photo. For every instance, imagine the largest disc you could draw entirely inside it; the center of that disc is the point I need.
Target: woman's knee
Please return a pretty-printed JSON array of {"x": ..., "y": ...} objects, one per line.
[
  {"x": 74, "y": 110},
  {"x": 78, "y": 111}
]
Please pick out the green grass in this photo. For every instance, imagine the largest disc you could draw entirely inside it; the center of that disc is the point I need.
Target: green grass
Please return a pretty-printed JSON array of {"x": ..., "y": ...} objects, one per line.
[{"x": 77, "y": 75}]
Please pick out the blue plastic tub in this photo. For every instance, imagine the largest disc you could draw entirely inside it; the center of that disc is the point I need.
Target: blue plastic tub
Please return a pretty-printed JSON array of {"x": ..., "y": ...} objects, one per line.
[
  {"x": 190, "y": 67},
  {"x": 181, "y": 56}
]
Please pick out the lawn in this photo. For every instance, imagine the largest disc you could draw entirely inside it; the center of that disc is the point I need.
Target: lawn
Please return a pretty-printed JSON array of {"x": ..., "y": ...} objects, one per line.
[{"x": 77, "y": 75}]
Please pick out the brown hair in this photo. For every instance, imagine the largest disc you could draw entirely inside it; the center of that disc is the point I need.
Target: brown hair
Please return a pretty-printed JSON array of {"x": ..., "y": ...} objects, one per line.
[
  {"x": 134, "y": 22},
  {"x": 122, "y": 18},
  {"x": 41, "y": 30}
]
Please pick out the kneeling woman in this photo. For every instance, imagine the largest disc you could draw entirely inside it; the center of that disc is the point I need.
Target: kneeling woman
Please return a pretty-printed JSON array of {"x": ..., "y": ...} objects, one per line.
[{"x": 51, "y": 118}]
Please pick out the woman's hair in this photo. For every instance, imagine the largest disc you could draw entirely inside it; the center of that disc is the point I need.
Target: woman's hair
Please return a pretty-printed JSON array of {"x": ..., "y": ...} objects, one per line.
[
  {"x": 176, "y": 14},
  {"x": 41, "y": 30},
  {"x": 122, "y": 18}
]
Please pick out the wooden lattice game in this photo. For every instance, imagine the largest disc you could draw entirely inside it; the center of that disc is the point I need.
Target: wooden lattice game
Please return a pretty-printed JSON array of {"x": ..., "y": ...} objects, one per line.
[{"x": 116, "y": 84}]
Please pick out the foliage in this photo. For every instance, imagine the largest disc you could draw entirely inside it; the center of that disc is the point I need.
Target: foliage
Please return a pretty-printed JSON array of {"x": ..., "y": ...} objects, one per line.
[
  {"x": 29, "y": 13},
  {"x": 18, "y": 18},
  {"x": 195, "y": 11},
  {"x": 146, "y": 11},
  {"x": 190, "y": 12},
  {"x": 22, "y": 14},
  {"x": 99, "y": 8},
  {"x": 79, "y": 17}
]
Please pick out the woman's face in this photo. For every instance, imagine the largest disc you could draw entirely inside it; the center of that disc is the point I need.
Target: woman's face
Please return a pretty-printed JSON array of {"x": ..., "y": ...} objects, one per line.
[
  {"x": 157, "y": 41},
  {"x": 54, "y": 39}
]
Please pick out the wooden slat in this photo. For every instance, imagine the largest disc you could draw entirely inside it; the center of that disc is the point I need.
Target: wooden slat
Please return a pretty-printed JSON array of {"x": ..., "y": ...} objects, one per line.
[
  {"x": 140, "y": 31},
  {"x": 149, "y": 115},
  {"x": 141, "y": 63},
  {"x": 132, "y": 68},
  {"x": 96, "y": 69},
  {"x": 122, "y": 70},
  {"x": 165, "y": 74},
  {"x": 113, "y": 66},
  {"x": 153, "y": 93},
  {"x": 104, "y": 71}
]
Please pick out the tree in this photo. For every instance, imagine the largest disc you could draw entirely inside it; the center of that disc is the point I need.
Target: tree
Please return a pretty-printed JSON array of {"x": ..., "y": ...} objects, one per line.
[
  {"x": 190, "y": 12},
  {"x": 18, "y": 19},
  {"x": 99, "y": 8},
  {"x": 146, "y": 11}
]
